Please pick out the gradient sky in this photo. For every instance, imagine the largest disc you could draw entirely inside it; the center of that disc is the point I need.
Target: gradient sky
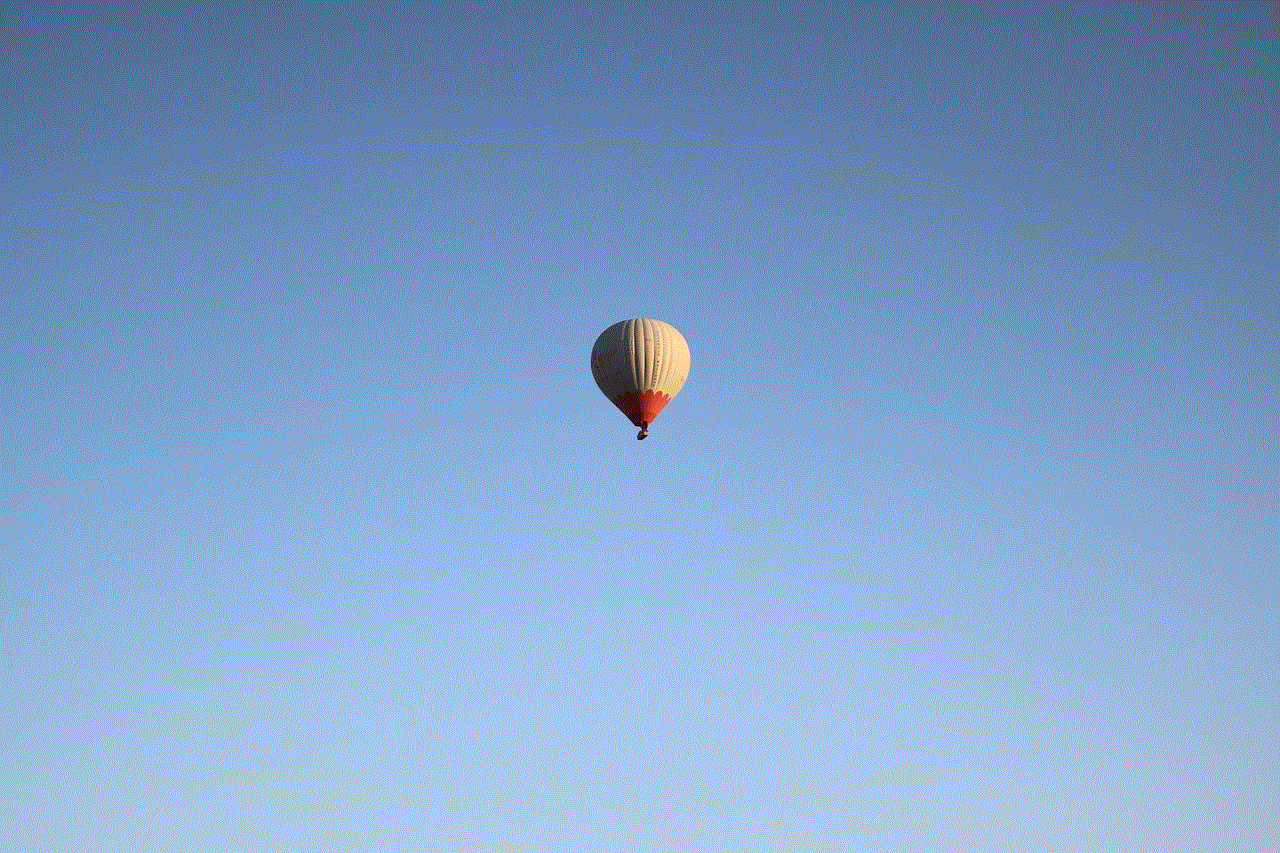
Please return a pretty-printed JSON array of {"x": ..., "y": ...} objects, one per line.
[{"x": 316, "y": 533}]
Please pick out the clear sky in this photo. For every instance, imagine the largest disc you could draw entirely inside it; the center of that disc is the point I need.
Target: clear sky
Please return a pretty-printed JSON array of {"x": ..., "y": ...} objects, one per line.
[{"x": 316, "y": 534}]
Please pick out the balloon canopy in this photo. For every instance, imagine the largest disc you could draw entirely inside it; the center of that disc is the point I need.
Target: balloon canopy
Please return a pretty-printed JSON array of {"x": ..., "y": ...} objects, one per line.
[{"x": 640, "y": 365}]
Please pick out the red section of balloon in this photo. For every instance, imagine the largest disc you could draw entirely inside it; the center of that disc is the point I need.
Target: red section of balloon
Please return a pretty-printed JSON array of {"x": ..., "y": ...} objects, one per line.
[{"x": 642, "y": 407}]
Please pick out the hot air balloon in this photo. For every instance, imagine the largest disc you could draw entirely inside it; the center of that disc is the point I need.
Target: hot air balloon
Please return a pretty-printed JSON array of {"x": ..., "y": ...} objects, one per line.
[{"x": 640, "y": 365}]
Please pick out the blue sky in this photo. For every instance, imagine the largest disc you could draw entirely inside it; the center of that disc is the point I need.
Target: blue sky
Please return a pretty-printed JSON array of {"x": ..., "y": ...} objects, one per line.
[{"x": 317, "y": 533}]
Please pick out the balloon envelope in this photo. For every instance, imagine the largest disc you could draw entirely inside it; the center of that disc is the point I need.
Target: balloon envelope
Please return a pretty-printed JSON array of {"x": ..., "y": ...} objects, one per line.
[{"x": 640, "y": 365}]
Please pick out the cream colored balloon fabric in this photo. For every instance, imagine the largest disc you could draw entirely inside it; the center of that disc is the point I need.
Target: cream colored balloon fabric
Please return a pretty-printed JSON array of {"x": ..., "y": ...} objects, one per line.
[{"x": 640, "y": 365}]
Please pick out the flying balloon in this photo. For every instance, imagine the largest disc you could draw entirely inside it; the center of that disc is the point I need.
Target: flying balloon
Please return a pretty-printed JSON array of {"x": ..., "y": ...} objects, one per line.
[{"x": 640, "y": 365}]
